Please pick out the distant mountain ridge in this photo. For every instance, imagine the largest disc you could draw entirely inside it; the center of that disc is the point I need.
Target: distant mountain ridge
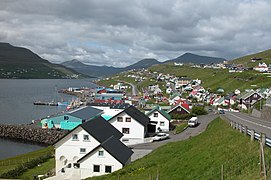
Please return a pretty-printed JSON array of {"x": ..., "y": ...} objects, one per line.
[
  {"x": 197, "y": 59},
  {"x": 19, "y": 62},
  {"x": 91, "y": 70},
  {"x": 99, "y": 71}
]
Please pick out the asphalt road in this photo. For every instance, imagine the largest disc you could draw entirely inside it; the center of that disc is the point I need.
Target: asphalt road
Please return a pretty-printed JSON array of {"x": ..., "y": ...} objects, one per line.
[
  {"x": 141, "y": 150},
  {"x": 134, "y": 89},
  {"x": 259, "y": 125}
]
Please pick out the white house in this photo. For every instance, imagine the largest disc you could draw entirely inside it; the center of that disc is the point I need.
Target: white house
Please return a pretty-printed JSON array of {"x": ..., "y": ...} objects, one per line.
[
  {"x": 109, "y": 110},
  {"x": 83, "y": 140},
  {"x": 160, "y": 118},
  {"x": 132, "y": 123},
  {"x": 262, "y": 67},
  {"x": 108, "y": 157}
]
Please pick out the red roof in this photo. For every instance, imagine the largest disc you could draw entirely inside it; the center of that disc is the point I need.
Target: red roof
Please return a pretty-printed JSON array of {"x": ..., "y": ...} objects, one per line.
[{"x": 185, "y": 105}]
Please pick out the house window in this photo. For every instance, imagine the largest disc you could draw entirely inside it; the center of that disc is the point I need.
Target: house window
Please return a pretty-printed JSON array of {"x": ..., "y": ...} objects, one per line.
[
  {"x": 101, "y": 153},
  {"x": 125, "y": 140},
  {"x": 162, "y": 123},
  {"x": 119, "y": 119},
  {"x": 66, "y": 117},
  {"x": 155, "y": 114},
  {"x": 82, "y": 150},
  {"x": 128, "y": 119},
  {"x": 76, "y": 165},
  {"x": 126, "y": 130},
  {"x": 96, "y": 168},
  {"x": 74, "y": 137},
  {"x": 86, "y": 138},
  {"x": 255, "y": 95},
  {"x": 179, "y": 109},
  {"x": 108, "y": 169}
]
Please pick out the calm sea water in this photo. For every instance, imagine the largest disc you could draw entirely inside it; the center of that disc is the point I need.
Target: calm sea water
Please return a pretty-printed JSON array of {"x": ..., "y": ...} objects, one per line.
[{"x": 16, "y": 105}]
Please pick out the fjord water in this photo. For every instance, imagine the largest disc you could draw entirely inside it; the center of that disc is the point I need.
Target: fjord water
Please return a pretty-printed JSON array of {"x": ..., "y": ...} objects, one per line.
[{"x": 16, "y": 105}]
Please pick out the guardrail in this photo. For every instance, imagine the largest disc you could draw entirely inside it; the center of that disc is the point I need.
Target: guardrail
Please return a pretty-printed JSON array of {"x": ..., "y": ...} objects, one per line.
[{"x": 251, "y": 132}]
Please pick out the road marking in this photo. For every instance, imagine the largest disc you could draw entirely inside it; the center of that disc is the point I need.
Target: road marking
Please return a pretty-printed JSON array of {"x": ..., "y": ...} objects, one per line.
[
  {"x": 251, "y": 121},
  {"x": 256, "y": 119}
]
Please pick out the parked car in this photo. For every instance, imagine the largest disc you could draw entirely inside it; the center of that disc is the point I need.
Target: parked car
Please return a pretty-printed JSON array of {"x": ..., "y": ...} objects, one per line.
[
  {"x": 221, "y": 111},
  {"x": 160, "y": 136},
  {"x": 193, "y": 122}
]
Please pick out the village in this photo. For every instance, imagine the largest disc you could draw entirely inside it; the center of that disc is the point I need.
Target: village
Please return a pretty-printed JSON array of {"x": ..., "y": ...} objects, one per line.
[{"x": 107, "y": 121}]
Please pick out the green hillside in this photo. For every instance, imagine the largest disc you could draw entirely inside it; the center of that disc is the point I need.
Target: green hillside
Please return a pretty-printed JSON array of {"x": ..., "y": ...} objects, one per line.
[
  {"x": 200, "y": 157},
  {"x": 214, "y": 78},
  {"x": 246, "y": 60},
  {"x": 18, "y": 62}
]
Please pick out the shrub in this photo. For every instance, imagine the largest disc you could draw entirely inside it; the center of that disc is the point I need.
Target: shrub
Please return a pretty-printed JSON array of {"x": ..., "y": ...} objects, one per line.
[
  {"x": 181, "y": 116},
  {"x": 199, "y": 110},
  {"x": 16, "y": 172}
]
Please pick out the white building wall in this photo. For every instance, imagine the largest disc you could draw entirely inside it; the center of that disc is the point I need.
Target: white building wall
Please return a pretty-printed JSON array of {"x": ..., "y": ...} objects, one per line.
[
  {"x": 86, "y": 166},
  {"x": 137, "y": 130},
  {"x": 68, "y": 150},
  {"x": 160, "y": 119}
]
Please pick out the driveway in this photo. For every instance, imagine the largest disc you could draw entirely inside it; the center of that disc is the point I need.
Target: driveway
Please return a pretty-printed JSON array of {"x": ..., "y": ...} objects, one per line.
[{"x": 141, "y": 150}]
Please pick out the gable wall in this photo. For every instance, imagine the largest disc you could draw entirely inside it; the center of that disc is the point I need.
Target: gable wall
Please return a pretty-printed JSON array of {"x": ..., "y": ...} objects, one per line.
[
  {"x": 137, "y": 130},
  {"x": 70, "y": 149},
  {"x": 93, "y": 159},
  {"x": 160, "y": 119}
]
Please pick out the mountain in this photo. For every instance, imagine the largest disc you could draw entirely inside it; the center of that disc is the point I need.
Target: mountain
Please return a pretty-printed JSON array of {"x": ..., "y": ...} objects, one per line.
[
  {"x": 197, "y": 59},
  {"x": 18, "y": 62},
  {"x": 144, "y": 63},
  {"x": 91, "y": 70},
  {"x": 99, "y": 71}
]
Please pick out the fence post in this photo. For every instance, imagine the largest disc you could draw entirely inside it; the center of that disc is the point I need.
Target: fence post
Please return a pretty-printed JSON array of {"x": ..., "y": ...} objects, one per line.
[
  {"x": 240, "y": 128},
  {"x": 245, "y": 130},
  {"x": 263, "y": 138},
  {"x": 222, "y": 172},
  {"x": 252, "y": 132}
]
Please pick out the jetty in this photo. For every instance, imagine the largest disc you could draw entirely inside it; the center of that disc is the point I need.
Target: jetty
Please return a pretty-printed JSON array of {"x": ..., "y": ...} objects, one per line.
[
  {"x": 45, "y": 103},
  {"x": 27, "y": 133}
]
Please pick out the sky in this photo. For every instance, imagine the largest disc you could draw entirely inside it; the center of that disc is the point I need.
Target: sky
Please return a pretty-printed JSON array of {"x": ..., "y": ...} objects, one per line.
[{"x": 121, "y": 32}]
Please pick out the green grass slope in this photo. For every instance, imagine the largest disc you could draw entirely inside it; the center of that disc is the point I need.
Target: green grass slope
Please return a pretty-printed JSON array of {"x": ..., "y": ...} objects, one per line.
[
  {"x": 200, "y": 157},
  {"x": 18, "y": 62},
  {"x": 12, "y": 163},
  {"x": 215, "y": 78},
  {"x": 246, "y": 60}
]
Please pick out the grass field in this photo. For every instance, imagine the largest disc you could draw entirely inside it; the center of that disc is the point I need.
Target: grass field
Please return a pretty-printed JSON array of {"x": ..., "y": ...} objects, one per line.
[
  {"x": 200, "y": 157},
  {"x": 215, "y": 78}
]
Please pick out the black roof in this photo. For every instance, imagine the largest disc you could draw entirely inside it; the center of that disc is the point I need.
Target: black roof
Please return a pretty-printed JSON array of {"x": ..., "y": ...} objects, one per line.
[
  {"x": 136, "y": 114},
  {"x": 116, "y": 148},
  {"x": 85, "y": 113},
  {"x": 100, "y": 129},
  {"x": 111, "y": 105}
]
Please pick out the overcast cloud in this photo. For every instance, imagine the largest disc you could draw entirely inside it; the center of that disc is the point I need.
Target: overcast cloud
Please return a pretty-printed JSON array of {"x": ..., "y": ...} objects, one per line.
[{"x": 121, "y": 32}]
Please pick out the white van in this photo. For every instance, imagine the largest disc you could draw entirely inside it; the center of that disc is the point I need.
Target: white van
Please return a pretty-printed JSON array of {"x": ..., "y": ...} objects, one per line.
[{"x": 193, "y": 121}]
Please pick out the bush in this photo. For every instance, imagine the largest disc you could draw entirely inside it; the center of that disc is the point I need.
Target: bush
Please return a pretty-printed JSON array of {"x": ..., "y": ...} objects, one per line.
[
  {"x": 181, "y": 116},
  {"x": 199, "y": 110}
]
